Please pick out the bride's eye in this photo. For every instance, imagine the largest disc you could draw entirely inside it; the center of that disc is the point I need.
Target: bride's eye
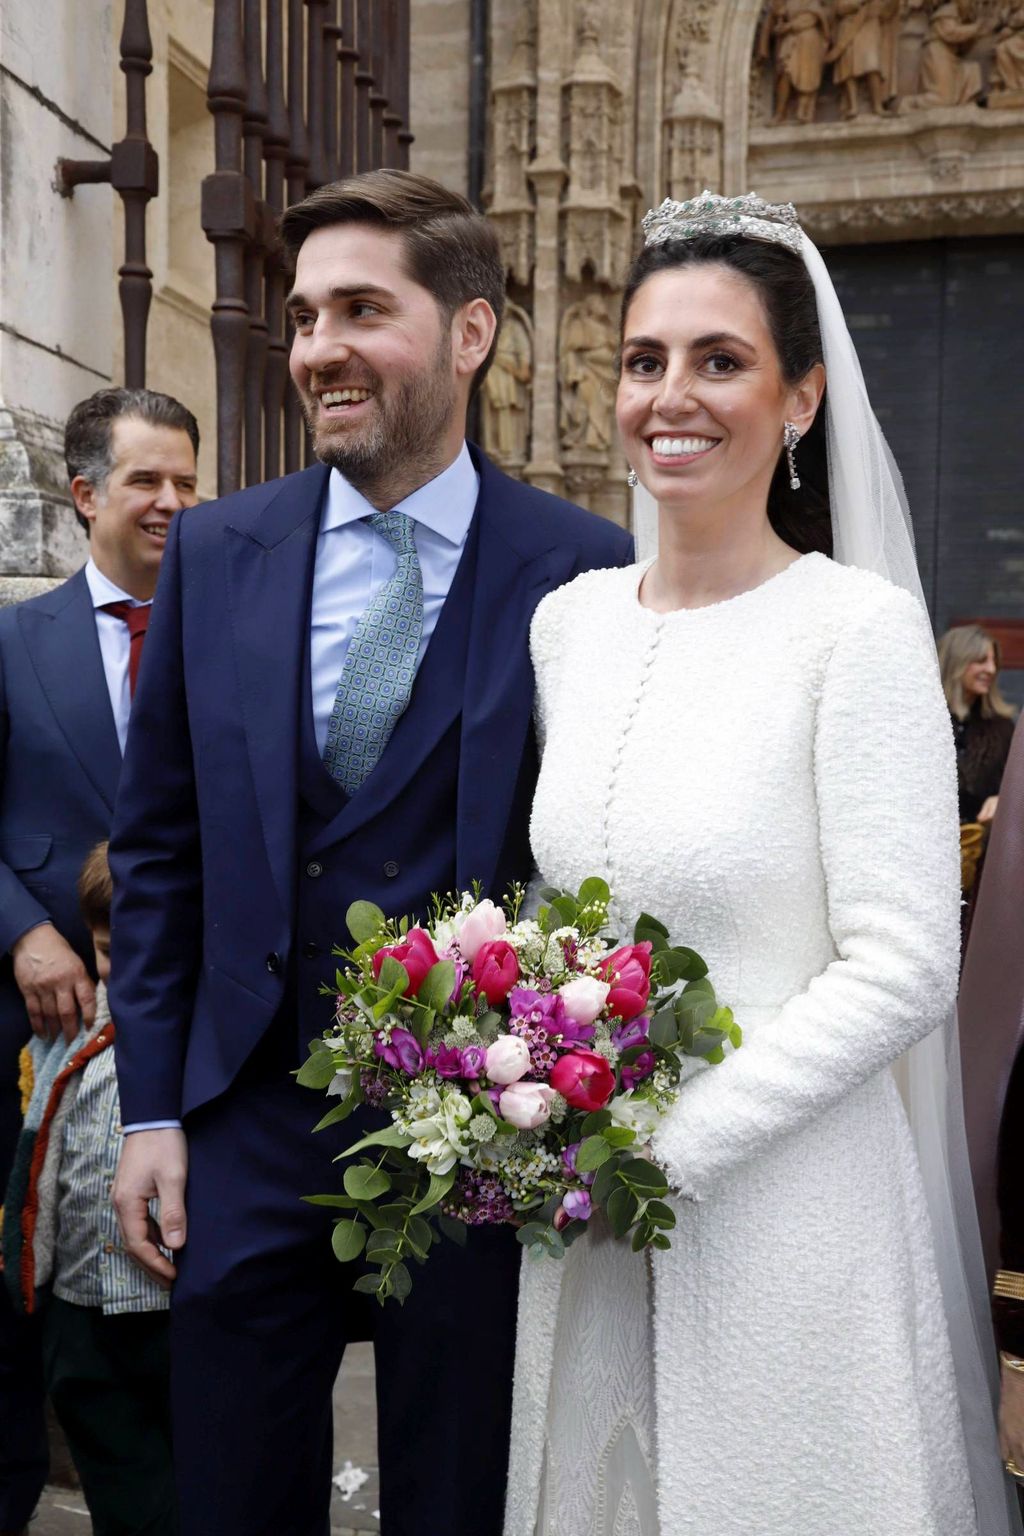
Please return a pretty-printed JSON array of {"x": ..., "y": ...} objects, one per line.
[
  {"x": 721, "y": 363},
  {"x": 643, "y": 364}
]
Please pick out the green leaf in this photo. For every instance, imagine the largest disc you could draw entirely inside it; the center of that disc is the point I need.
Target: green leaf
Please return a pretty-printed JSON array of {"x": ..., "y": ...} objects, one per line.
[
  {"x": 369, "y": 1285},
  {"x": 318, "y": 1070},
  {"x": 453, "y": 1229},
  {"x": 621, "y": 1210},
  {"x": 649, "y": 1178},
  {"x": 701, "y": 986},
  {"x": 660, "y": 1214},
  {"x": 488, "y": 1025},
  {"x": 366, "y": 1182},
  {"x": 594, "y": 892},
  {"x": 592, "y": 1153},
  {"x": 646, "y": 925},
  {"x": 383, "y": 1245},
  {"x": 618, "y": 1136},
  {"x": 420, "y": 1235},
  {"x": 567, "y": 910},
  {"x": 341, "y": 1201},
  {"x": 641, "y": 1237},
  {"x": 531, "y": 1232},
  {"x": 391, "y": 1136},
  {"x": 364, "y": 921},
  {"x": 659, "y": 1240},
  {"x": 605, "y": 1180},
  {"x": 340, "y": 1111},
  {"x": 596, "y": 1121},
  {"x": 663, "y": 1029},
  {"x": 393, "y": 974},
  {"x": 679, "y": 964},
  {"x": 437, "y": 986},
  {"x": 440, "y": 1184},
  {"x": 401, "y": 1282},
  {"x": 348, "y": 1240}
]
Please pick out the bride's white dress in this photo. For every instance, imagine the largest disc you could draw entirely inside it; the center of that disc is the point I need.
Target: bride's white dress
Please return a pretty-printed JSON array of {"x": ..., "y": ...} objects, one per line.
[{"x": 773, "y": 777}]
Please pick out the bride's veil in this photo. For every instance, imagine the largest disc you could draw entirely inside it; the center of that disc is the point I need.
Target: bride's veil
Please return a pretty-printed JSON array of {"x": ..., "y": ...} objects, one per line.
[{"x": 871, "y": 529}]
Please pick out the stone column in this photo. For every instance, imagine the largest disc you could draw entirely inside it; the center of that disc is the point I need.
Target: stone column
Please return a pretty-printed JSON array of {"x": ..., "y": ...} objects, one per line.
[{"x": 547, "y": 175}]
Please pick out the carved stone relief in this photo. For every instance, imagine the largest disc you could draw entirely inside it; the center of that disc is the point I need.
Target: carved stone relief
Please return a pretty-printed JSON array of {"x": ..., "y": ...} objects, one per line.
[
  {"x": 693, "y": 120},
  {"x": 513, "y": 143},
  {"x": 586, "y": 349},
  {"x": 506, "y": 392},
  {"x": 1008, "y": 59}
]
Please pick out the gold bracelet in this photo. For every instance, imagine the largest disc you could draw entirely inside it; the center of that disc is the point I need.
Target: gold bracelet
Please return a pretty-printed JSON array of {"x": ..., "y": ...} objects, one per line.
[
  {"x": 1013, "y": 1469},
  {"x": 1012, "y": 1362},
  {"x": 1010, "y": 1284}
]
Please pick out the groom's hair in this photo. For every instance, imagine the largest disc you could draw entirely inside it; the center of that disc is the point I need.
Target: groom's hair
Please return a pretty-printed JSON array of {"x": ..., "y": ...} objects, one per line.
[{"x": 450, "y": 248}]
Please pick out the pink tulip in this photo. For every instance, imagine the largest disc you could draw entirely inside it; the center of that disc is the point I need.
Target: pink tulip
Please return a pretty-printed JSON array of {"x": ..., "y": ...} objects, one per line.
[
  {"x": 629, "y": 972},
  {"x": 416, "y": 953},
  {"x": 495, "y": 970},
  {"x": 584, "y": 1079},
  {"x": 526, "y": 1105}
]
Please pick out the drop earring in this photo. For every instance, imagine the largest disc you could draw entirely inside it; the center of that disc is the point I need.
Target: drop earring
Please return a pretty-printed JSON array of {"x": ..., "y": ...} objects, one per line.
[
  {"x": 632, "y": 479},
  {"x": 791, "y": 436}
]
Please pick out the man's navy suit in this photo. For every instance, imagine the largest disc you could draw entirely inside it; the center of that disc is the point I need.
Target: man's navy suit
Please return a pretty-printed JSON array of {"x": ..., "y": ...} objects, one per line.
[
  {"x": 59, "y": 766},
  {"x": 235, "y": 859}
]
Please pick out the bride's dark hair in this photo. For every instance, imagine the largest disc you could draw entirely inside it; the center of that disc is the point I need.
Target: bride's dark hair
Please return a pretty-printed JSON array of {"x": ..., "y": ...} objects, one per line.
[{"x": 800, "y": 517}]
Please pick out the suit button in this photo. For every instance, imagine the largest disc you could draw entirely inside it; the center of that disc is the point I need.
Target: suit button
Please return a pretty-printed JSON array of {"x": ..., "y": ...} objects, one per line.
[
  {"x": 314, "y": 869},
  {"x": 273, "y": 962},
  {"x": 310, "y": 951},
  {"x": 391, "y": 869}
]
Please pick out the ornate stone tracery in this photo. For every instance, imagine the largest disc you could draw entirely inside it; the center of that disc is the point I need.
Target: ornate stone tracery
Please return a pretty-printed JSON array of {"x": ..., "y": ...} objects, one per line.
[{"x": 881, "y": 120}]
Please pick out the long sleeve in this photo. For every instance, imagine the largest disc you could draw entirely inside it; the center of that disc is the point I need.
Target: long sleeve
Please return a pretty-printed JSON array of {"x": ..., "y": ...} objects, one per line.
[
  {"x": 19, "y": 909},
  {"x": 885, "y": 790},
  {"x": 156, "y": 864}
]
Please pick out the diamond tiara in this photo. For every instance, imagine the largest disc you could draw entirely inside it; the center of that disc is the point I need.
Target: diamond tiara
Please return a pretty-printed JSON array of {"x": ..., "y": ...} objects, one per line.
[{"x": 709, "y": 214}]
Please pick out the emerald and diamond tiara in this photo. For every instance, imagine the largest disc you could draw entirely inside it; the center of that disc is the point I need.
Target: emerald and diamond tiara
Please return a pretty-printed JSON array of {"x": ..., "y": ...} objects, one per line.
[{"x": 709, "y": 214}]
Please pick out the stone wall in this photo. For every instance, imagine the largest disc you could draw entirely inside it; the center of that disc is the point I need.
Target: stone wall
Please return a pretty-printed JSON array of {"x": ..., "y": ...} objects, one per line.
[{"x": 881, "y": 119}]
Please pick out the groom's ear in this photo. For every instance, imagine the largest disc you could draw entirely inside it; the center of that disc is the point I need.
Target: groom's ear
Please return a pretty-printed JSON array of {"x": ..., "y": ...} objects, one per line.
[
  {"x": 474, "y": 327},
  {"x": 805, "y": 398}
]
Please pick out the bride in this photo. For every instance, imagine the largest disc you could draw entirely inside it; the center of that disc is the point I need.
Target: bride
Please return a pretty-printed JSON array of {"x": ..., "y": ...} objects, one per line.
[{"x": 750, "y": 739}]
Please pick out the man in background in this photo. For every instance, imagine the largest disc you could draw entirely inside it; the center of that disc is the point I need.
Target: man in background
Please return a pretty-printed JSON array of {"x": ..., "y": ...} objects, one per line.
[{"x": 68, "y": 664}]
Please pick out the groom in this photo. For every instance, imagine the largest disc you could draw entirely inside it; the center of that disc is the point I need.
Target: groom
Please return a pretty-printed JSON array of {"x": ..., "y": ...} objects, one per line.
[{"x": 336, "y": 705}]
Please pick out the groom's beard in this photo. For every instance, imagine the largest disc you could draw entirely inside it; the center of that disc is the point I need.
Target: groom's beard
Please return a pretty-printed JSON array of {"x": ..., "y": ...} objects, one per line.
[{"x": 406, "y": 429}]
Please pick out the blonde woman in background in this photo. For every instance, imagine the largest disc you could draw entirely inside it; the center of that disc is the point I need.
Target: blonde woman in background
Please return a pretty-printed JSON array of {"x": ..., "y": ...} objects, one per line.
[{"x": 982, "y": 719}]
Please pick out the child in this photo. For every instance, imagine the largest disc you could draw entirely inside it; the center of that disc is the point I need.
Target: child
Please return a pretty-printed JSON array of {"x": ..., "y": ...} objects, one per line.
[{"x": 105, "y": 1325}]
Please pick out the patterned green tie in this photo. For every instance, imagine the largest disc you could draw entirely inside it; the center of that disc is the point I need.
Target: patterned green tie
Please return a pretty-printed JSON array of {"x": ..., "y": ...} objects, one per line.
[{"x": 380, "y": 665}]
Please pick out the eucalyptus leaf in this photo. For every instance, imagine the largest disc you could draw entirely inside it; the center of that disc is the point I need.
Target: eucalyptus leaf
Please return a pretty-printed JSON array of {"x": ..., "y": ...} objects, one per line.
[
  {"x": 386, "y": 1239},
  {"x": 618, "y": 1136},
  {"x": 621, "y": 1210},
  {"x": 596, "y": 1121},
  {"x": 437, "y": 986},
  {"x": 453, "y": 1229},
  {"x": 401, "y": 1282},
  {"x": 592, "y": 1153},
  {"x": 340, "y": 1111},
  {"x": 366, "y": 1182},
  {"x": 341, "y": 1202},
  {"x": 419, "y": 1235},
  {"x": 650, "y": 925},
  {"x": 702, "y": 985},
  {"x": 659, "y": 1240},
  {"x": 647, "y": 1176},
  {"x": 641, "y": 1237},
  {"x": 605, "y": 1180},
  {"x": 368, "y": 1285},
  {"x": 663, "y": 1028},
  {"x": 318, "y": 1070},
  {"x": 364, "y": 921},
  {"x": 532, "y": 1232},
  {"x": 594, "y": 892},
  {"x": 566, "y": 908},
  {"x": 393, "y": 974},
  {"x": 348, "y": 1239},
  {"x": 661, "y": 1214}
]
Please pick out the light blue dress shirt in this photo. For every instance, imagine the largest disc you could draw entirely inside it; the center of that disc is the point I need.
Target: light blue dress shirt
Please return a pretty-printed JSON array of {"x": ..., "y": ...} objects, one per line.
[
  {"x": 352, "y": 563},
  {"x": 115, "y": 643}
]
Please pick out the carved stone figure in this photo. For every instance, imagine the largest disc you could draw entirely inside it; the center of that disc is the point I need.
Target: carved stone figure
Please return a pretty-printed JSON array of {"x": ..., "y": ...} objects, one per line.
[
  {"x": 506, "y": 392},
  {"x": 863, "y": 50},
  {"x": 947, "y": 79},
  {"x": 586, "y": 358},
  {"x": 1008, "y": 62},
  {"x": 801, "y": 32}
]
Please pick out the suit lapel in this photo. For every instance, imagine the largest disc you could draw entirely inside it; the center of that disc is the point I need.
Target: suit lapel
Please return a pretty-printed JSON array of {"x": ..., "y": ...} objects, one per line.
[
  {"x": 269, "y": 571},
  {"x": 517, "y": 564},
  {"x": 61, "y": 639}
]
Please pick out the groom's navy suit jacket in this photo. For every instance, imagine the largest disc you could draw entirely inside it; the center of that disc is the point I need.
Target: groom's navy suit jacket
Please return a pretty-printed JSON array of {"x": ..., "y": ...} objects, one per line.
[{"x": 213, "y": 865}]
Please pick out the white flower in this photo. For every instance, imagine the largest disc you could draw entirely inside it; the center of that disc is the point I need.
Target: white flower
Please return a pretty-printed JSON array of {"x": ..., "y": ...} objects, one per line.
[
  {"x": 507, "y": 1059},
  {"x": 441, "y": 1136},
  {"x": 526, "y": 1105},
  {"x": 636, "y": 1114},
  {"x": 340, "y": 1084},
  {"x": 584, "y": 997},
  {"x": 481, "y": 1127}
]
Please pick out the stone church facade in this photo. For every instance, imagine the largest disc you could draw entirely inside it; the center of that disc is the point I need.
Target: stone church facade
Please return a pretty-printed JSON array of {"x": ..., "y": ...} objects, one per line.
[{"x": 896, "y": 126}]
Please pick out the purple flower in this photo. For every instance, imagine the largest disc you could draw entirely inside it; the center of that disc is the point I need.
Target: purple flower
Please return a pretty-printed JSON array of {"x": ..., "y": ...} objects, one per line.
[
  {"x": 474, "y": 1059},
  {"x": 446, "y": 1060},
  {"x": 633, "y": 1033},
  {"x": 569, "y": 1163},
  {"x": 577, "y": 1204},
  {"x": 461, "y": 972},
  {"x": 635, "y": 1072},
  {"x": 403, "y": 1052},
  {"x": 546, "y": 1012}
]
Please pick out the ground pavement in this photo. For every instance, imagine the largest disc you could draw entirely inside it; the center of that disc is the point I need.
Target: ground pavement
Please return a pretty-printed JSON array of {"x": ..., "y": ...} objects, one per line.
[{"x": 354, "y": 1506}]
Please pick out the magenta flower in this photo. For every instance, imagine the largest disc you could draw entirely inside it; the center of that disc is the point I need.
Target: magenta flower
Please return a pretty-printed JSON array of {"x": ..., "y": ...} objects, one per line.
[
  {"x": 446, "y": 1060},
  {"x": 569, "y": 1164},
  {"x": 474, "y": 1059},
  {"x": 403, "y": 1052},
  {"x": 547, "y": 1011},
  {"x": 635, "y": 1071},
  {"x": 633, "y": 1033}
]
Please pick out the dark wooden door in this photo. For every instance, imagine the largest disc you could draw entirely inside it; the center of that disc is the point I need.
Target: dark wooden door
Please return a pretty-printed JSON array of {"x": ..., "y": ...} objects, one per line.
[{"x": 939, "y": 326}]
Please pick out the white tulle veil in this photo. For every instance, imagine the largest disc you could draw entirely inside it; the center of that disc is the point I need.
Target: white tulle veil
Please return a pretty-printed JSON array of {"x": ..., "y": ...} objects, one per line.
[{"x": 871, "y": 529}]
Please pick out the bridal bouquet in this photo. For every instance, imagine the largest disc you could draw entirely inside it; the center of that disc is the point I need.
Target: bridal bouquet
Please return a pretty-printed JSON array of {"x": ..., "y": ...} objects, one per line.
[{"x": 522, "y": 1064}]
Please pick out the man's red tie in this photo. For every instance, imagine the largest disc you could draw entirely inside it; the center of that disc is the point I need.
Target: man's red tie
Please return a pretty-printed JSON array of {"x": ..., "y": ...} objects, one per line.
[{"x": 137, "y": 620}]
